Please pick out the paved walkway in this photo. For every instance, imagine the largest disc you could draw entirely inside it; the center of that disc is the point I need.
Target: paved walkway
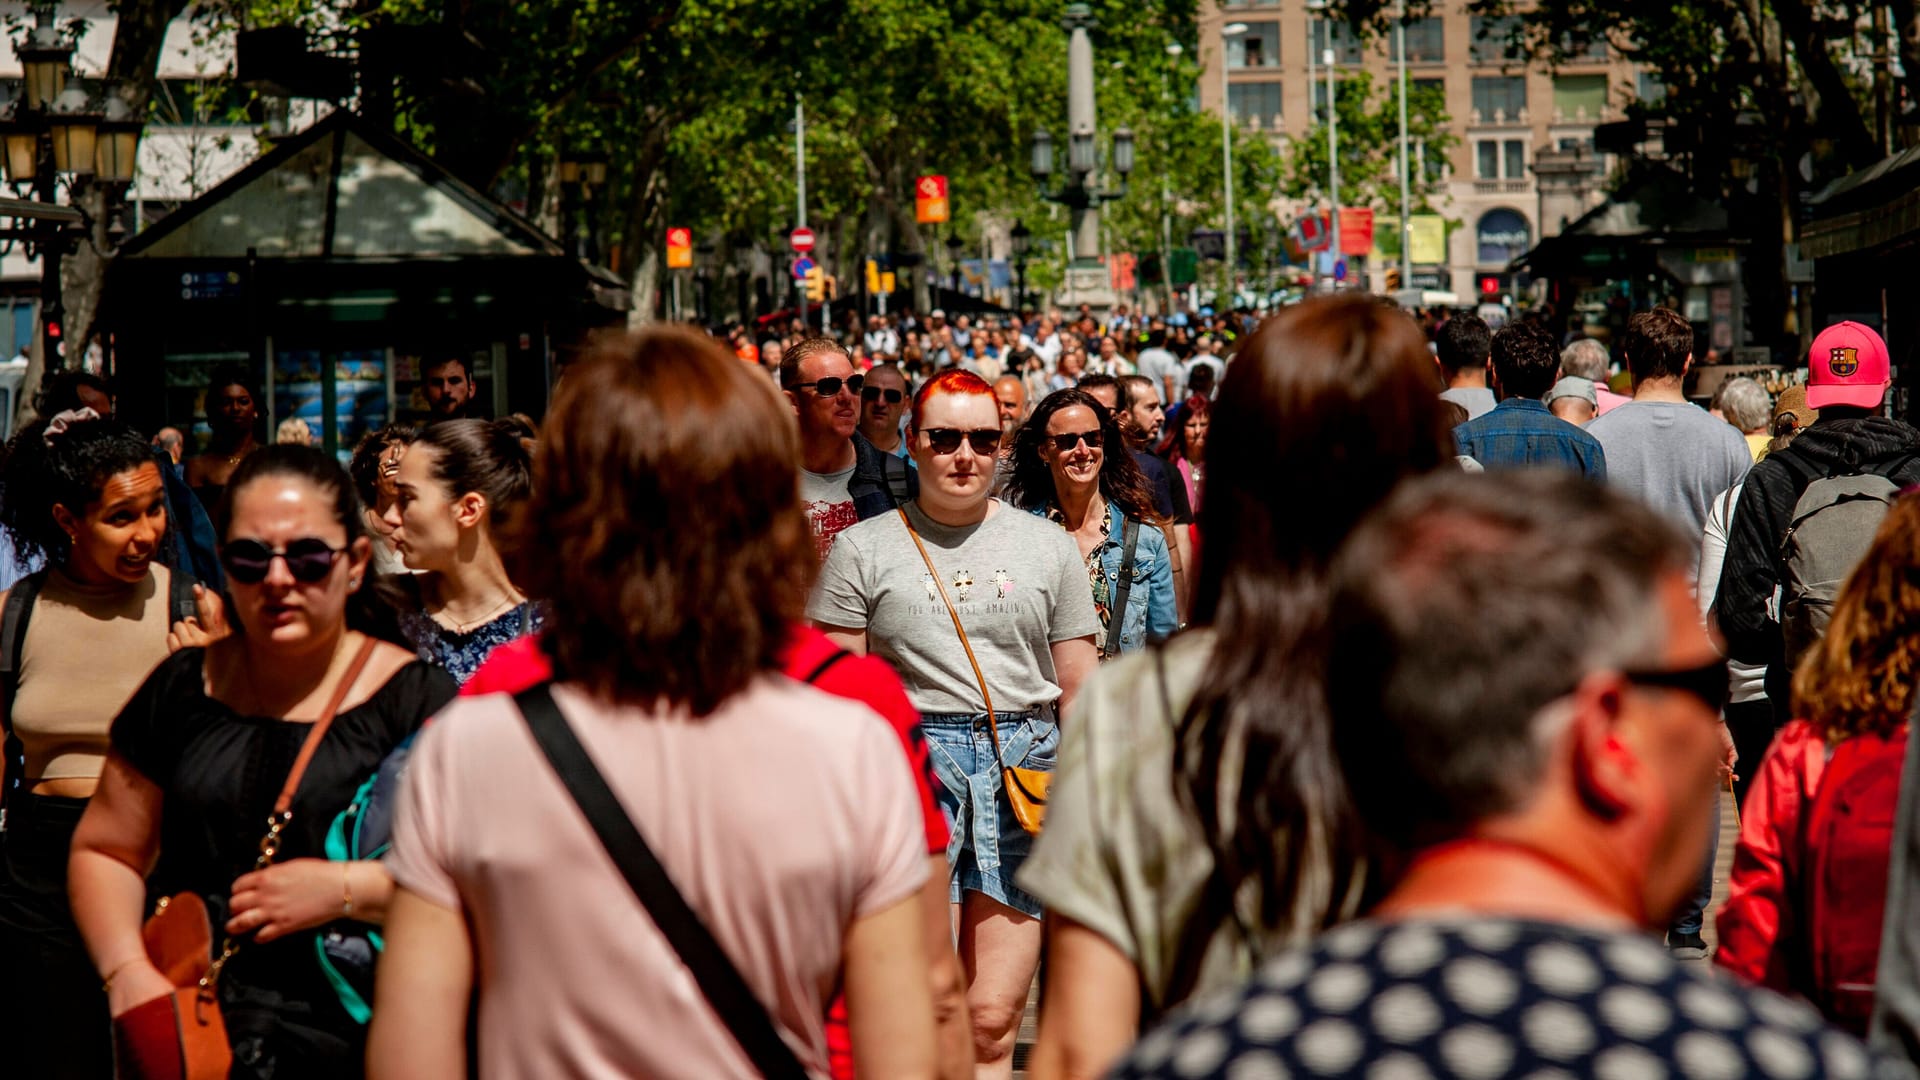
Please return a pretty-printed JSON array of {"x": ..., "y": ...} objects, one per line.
[{"x": 1722, "y": 864}]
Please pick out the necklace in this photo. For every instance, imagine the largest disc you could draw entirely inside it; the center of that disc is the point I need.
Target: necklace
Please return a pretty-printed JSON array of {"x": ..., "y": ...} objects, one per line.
[{"x": 506, "y": 604}]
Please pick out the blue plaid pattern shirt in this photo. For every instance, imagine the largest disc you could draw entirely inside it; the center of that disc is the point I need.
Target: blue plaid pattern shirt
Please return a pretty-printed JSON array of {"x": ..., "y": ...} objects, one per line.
[{"x": 1520, "y": 433}]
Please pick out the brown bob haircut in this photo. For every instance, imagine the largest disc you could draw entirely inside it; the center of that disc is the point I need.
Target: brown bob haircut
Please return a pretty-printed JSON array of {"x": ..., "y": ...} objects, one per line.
[{"x": 665, "y": 527}]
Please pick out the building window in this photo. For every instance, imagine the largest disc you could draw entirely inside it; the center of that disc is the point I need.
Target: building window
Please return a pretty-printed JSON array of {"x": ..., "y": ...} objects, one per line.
[
  {"x": 1579, "y": 97},
  {"x": 1649, "y": 88},
  {"x": 1495, "y": 39},
  {"x": 1255, "y": 103},
  {"x": 1500, "y": 159},
  {"x": 1583, "y": 48},
  {"x": 1259, "y": 47},
  {"x": 1426, "y": 41},
  {"x": 1345, "y": 45},
  {"x": 1499, "y": 98}
]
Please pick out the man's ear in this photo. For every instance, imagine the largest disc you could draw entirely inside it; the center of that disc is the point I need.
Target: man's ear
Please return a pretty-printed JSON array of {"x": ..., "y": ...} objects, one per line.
[{"x": 1606, "y": 770}]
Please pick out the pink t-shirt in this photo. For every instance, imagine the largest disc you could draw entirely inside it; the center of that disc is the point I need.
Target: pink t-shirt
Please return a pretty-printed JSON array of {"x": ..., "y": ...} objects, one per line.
[{"x": 782, "y": 817}]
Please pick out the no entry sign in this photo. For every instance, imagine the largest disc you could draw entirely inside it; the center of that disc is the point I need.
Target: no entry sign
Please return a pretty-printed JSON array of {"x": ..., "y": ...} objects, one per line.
[{"x": 801, "y": 239}]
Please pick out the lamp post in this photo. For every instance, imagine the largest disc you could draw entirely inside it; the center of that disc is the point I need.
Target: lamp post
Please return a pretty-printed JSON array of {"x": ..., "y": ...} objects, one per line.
[
  {"x": 581, "y": 176},
  {"x": 1406, "y": 163},
  {"x": 1227, "y": 33},
  {"x": 60, "y": 130},
  {"x": 1079, "y": 194},
  {"x": 954, "y": 246},
  {"x": 1333, "y": 146},
  {"x": 1022, "y": 244},
  {"x": 1166, "y": 184}
]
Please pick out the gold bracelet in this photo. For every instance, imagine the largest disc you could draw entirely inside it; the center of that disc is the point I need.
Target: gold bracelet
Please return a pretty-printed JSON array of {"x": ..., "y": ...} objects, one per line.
[
  {"x": 107, "y": 983},
  {"x": 346, "y": 889}
]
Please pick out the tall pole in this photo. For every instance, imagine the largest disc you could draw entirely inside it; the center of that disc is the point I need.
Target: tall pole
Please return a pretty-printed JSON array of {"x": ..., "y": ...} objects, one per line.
[
  {"x": 1081, "y": 120},
  {"x": 800, "y": 182},
  {"x": 1231, "y": 30},
  {"x": 1166, "y": 185},
  {"x": 1406, "y": 163},
  {"x": 1333, "y": 145}
]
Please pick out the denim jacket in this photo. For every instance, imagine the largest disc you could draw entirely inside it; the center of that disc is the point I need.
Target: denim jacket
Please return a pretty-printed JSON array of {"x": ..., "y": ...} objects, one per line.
[{"x": 1150, "y": 614}]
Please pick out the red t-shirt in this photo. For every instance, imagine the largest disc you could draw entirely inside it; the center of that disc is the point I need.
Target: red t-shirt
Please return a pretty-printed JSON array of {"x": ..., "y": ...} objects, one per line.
[{"x": 867, "y": 679}]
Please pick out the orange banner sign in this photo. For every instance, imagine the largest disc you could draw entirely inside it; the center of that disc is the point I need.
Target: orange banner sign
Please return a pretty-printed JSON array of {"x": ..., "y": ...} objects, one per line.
[
  {"x": 679, "y": 248},
  {"x": 930, "y": 200}
]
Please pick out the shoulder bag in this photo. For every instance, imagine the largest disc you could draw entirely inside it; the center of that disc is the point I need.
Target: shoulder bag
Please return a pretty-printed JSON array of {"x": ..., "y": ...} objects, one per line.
[
  {"x": 183, "y": 1036},
  {"x": 743, "y": 1014},
  {"x": 1026, "y": 788}
]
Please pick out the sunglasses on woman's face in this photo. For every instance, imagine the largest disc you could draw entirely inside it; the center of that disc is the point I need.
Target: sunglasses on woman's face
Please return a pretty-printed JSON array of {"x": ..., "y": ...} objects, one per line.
[
  {"x": 1066, "y": 442},
  {"x": 874, "y": 393},
  {"x": 944, "y": 441},
  {"x": 309, "y": 559}
]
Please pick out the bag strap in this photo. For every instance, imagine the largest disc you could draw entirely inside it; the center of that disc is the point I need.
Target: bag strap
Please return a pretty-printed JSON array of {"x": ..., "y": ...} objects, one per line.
[
  {"x": 1117, "y": 614},
  {"x": 825, "y": 666},
  {"x": 282, "y": 806},
  {"x": 993, "y": 724},
  {"x": 13, "y": 647},
  {"x": 746, "y": 1018},
  {"x": 180, "y": 605}
]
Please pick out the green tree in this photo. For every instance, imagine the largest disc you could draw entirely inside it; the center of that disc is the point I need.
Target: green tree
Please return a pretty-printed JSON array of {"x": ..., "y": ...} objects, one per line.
[{"x": 1368, "y": 136}]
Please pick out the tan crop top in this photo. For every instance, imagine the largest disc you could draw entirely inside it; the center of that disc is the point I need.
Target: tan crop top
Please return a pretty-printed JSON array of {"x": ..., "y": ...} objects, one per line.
[{"x": 88, "y": 648}]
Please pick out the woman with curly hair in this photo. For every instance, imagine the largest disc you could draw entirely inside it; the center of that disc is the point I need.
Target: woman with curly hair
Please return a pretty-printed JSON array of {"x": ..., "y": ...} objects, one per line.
[
  {"x": 1062, "y": 471},
  {"x": 1852, "y": 697},
  {"x": 85, "y": 496}
]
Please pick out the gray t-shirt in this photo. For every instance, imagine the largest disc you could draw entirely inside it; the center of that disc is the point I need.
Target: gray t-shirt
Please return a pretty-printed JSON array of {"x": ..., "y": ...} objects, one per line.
[
  {"x": 1016, "y": 579},
  {"x": 1676, "y": 457},
  {"x": 1158, "y": 364},
  {"x": 1477, "y": 400},
  {"x": 829, "y": 506}
]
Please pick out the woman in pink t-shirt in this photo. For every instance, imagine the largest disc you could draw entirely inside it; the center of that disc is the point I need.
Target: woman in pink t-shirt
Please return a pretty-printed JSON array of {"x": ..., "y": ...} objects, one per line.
[{"x": 787, "y": 819}]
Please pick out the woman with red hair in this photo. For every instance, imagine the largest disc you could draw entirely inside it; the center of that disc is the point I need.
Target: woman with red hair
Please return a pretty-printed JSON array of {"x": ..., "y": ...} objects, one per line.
[{"x": 985, "y": 613}]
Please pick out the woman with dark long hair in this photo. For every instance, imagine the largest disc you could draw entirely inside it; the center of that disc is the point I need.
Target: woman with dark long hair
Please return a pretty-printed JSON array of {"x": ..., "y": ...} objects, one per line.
[
  {"x": 232, "y": 408},
  {"x": 1198, "y": 823},
  {"x": 200, "y": 752},
  {"x": 1186, "y": 444},
  {"x": 1062, "y": 471}
]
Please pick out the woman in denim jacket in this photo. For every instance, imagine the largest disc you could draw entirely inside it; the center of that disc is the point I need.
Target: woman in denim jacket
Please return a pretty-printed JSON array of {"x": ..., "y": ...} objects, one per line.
[{"x": 1061, "y": 470}]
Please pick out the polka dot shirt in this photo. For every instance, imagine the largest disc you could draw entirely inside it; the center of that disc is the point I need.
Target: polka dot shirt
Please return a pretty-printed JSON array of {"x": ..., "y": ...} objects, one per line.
[{"x": 1485, "y": 999}]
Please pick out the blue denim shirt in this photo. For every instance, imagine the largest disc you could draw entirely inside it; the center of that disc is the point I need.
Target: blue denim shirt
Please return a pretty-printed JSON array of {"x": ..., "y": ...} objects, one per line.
[
  {"x": 1150, "y": 614},
  {"x": 1520, "y": 433}
]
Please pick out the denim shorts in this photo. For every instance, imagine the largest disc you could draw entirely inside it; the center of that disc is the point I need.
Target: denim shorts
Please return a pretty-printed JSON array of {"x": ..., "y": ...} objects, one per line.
[{"x": 988, "y": 845}]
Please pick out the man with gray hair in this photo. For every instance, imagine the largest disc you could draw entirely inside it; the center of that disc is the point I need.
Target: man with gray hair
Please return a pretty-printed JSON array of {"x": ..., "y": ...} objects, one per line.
[
  {"x": 1749, "y": 408},
  {"x": 1542, "y": 772},
  {"x": 1587, "y": 359}
]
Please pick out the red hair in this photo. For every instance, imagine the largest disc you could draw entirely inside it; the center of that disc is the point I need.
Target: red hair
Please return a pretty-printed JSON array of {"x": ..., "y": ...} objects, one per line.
[{"x": 950, "y": 381}]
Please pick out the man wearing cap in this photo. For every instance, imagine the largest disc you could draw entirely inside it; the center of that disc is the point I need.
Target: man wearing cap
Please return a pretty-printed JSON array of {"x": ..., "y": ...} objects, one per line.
[
  {"x": 1847, "y": 380},
  {"x": 1572, "y": 399}
]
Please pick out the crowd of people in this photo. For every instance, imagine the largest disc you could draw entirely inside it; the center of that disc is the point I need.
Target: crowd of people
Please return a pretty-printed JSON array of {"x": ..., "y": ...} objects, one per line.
[{"x": 1340, "y": 695}]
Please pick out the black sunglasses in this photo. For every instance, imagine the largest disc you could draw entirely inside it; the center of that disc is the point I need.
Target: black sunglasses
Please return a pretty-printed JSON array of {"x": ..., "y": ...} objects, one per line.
[
  {"x": 1065, "y": 443},
  {"x": 309, "y": 559},
  {"x": 946, "y": 440},
  {"x": 830, "y": 385},
  {"x": 1708, "y": 682},
  {"x": 874, "y": 393}
]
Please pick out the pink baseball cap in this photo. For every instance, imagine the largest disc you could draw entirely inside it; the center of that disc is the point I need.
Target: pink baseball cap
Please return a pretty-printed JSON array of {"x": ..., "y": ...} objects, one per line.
[{"x": 1847, "y": 366}]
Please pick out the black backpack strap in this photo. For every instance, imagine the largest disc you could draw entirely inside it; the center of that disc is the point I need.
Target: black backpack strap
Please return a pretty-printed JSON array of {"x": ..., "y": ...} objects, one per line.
[
  {"x": 825, "y": 666},
  {"x": 13, "y": 645},
  {"x": 1117, "y": 614},
  {"x": 719, "y": 980},
  {"x": 180, "y": 606},
  {"x": 893, "y": 470}
]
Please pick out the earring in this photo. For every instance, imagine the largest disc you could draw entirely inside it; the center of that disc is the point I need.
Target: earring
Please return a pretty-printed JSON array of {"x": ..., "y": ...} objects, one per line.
[{"x": 353, "y": 583}]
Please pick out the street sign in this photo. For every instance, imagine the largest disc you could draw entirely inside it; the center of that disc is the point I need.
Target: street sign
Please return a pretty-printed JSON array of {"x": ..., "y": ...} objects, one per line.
[
  {"x": 1340, "y": 269},
  {"x": 930, "y": 200},
  {"x": 679, "y": 248},
  {"x": 800, "y": 267},
  {"x": 801, "y": 239},
  {"x": 1356, "y": 230}
]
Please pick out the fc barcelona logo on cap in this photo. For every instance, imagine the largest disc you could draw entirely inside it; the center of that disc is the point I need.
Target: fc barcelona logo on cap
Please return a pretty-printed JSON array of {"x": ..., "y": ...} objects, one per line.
[{"x": 1843, "y": 361}]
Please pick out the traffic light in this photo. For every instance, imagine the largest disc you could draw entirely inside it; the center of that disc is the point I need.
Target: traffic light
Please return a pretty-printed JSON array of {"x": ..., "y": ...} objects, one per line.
[
  {"x": 816, "y": 281},
  {"x": 1393, "y": 279}
]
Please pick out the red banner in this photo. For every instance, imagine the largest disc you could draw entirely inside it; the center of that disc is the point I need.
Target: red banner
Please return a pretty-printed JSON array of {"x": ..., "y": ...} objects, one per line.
[
  {"x": 679, "y": 248},
  {"x": 1356, "y": 230},
  {"x": 930, "y": 200}
]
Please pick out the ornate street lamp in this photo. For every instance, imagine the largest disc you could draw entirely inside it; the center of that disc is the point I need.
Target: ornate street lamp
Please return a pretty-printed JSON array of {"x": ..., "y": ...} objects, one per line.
[
  {"x": 1022, "y": 244},
  {"x": 73, "y": 125},
  {"x": 117, "y": 147},
  {"x": 1080, "y": 194},
  {"x": 45, "y": 58}
]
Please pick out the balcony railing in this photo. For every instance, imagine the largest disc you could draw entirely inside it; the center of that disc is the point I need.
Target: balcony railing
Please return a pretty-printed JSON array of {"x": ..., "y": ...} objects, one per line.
[
  {"x": 1502, "y": 187},
  {"x": 1498, "y": 118}
]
